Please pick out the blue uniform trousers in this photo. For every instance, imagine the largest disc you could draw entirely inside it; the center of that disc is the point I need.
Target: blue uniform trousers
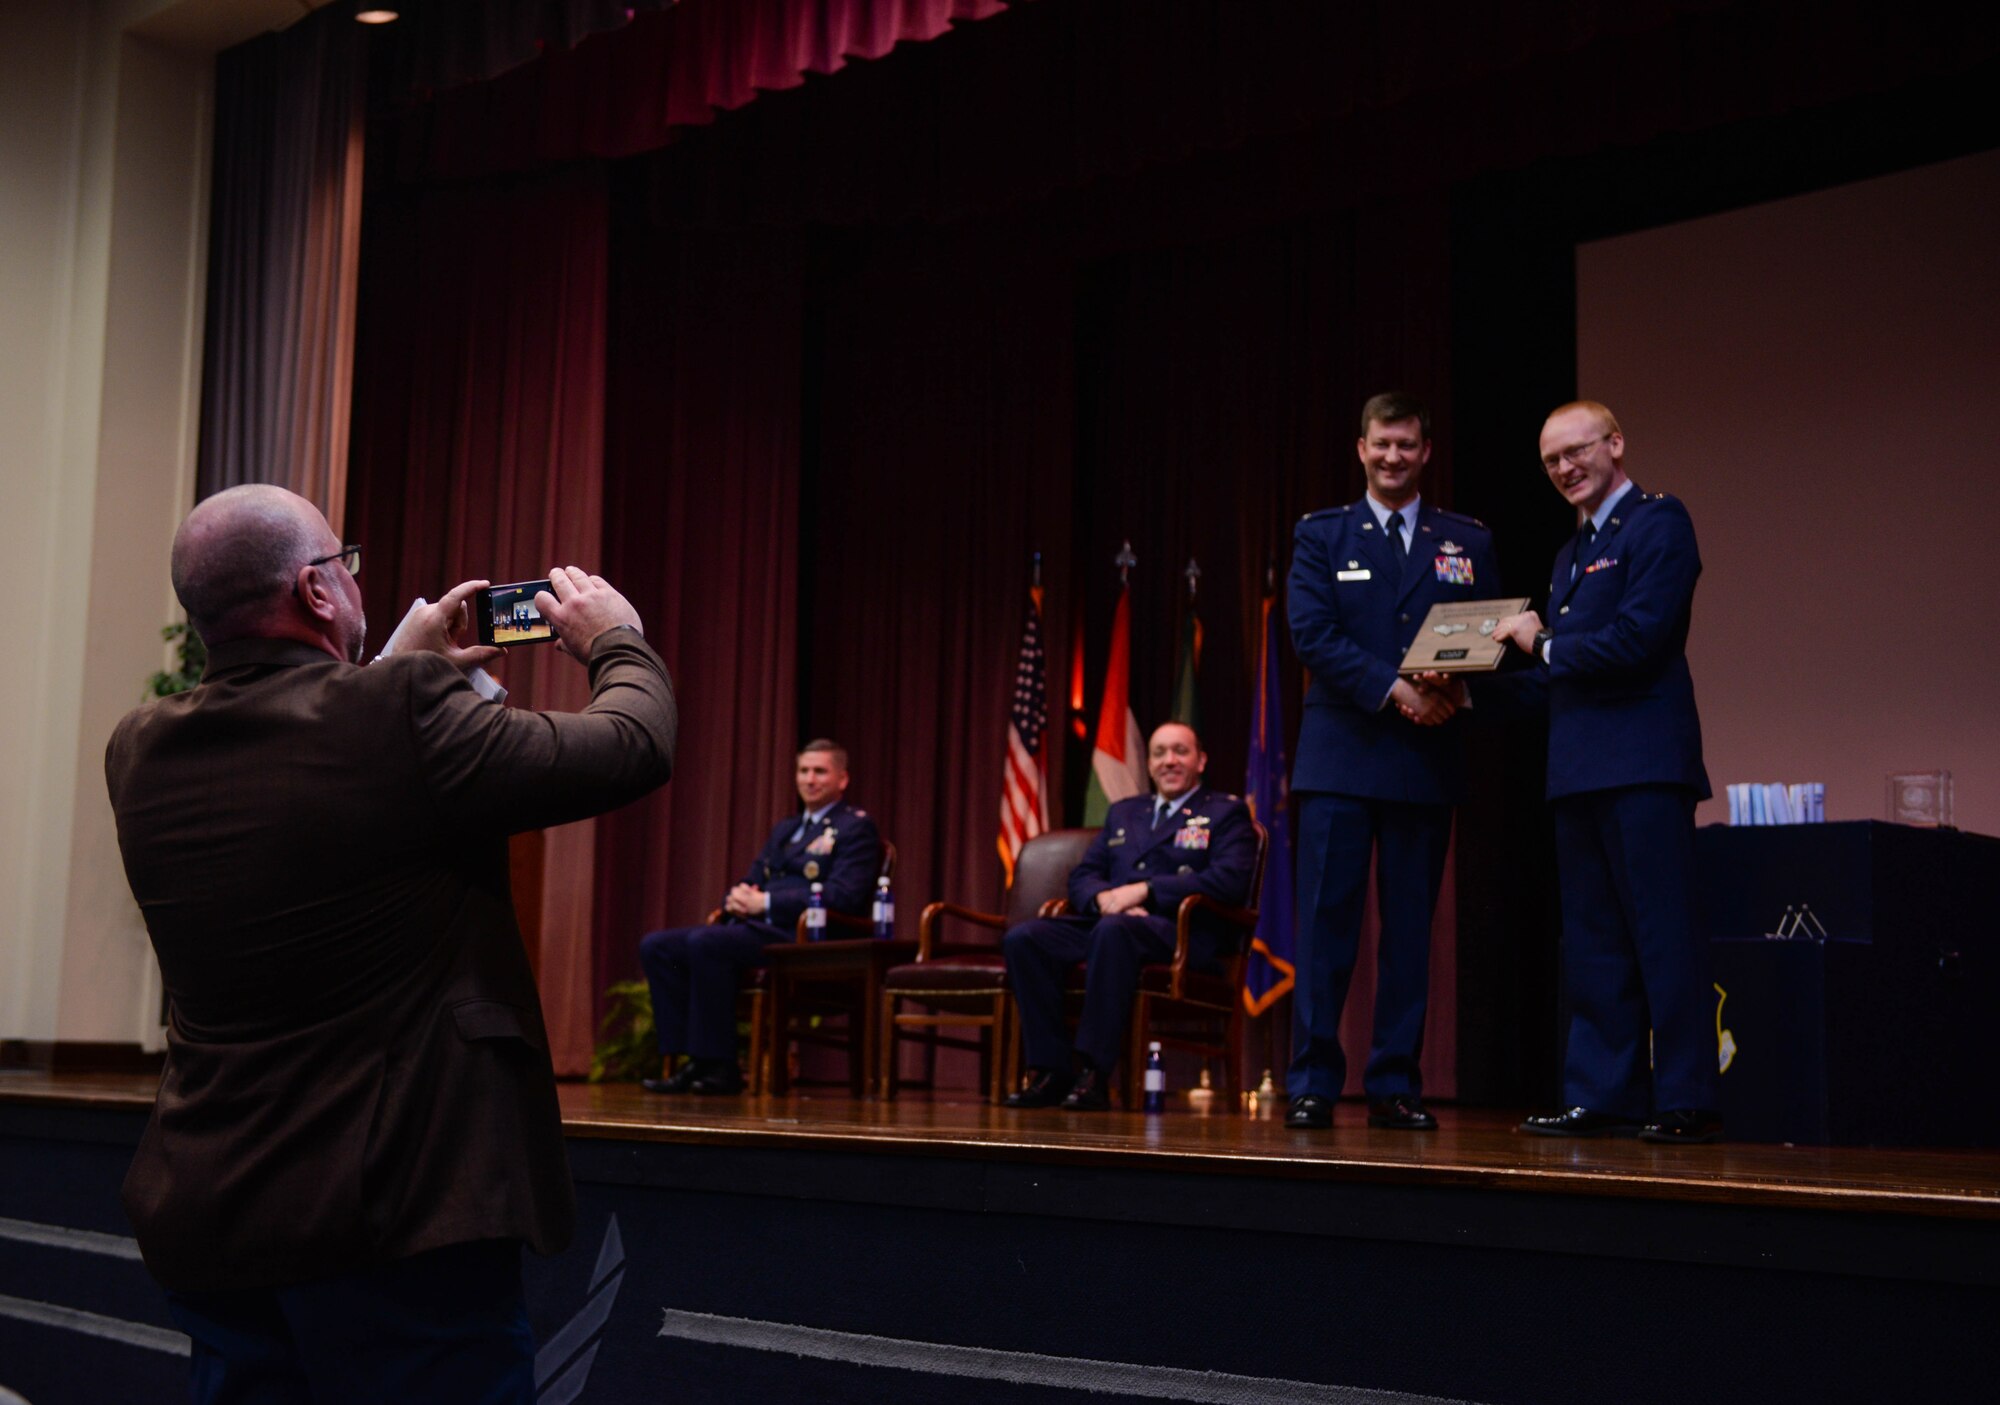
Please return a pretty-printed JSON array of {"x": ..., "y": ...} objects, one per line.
[
  {"x": 1337, "y": 836},
  {"x": 446, "y": 1327},
  {"x": 1633, "y": 955},
  {"x": 694, "y": 974},
  {"x": 1040, "y": 955}
]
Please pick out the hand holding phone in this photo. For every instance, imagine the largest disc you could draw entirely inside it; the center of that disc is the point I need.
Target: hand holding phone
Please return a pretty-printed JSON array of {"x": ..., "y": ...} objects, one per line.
[
  {"x": 442, "y": 628},
  {"x": 583, "y": 606}
]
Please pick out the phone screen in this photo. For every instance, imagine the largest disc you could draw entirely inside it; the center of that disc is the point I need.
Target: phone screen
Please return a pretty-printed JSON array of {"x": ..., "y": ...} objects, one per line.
[{"x": 507, "y": 614}]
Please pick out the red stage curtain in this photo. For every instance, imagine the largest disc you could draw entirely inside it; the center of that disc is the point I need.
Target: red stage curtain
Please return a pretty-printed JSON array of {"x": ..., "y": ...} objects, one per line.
[
  {"x": 284, "y": 255},
  {"x": 945, "y": 440},
  {"x": 702, "y": 531},
  {"x": 478, "y": 452}
]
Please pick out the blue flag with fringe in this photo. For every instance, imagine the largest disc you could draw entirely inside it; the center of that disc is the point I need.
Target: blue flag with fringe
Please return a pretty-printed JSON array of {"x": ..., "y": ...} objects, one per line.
[{"x": 1267, "y": 975}]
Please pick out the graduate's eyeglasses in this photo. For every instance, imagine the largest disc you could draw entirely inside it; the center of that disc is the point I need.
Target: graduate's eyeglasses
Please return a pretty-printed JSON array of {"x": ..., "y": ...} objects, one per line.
[
  {"x": 348, "y": 556},
  {"x": 1573, "y": 454}
]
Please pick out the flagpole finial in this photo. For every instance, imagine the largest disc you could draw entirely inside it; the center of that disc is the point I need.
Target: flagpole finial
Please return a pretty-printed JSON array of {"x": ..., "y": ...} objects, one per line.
[
  {"x": 1125, "y": 561},
  {"x": 1193, "y": 574},
  {"x": 1035, "y": 569},
  {"x": 1270, "y": 573}
]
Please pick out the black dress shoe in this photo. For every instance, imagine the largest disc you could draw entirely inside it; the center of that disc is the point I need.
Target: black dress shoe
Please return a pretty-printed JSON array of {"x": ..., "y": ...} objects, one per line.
[
  {"x": 1405, "y": 1112},
  {"x": 681, "y": 1081},
  {"x": 1310, "y": 1111},
  {"x": 717, "y": 1079},
  {"x": 1088, "y": 1093},
  {"x": 1045, "y": 1088},
  {"x": 1579, "y": 1122},
  {"x": 1683, "y": 1126}
]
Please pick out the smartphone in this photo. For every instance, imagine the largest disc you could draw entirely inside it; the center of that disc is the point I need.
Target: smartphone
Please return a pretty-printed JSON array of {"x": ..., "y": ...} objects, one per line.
[{"x": 507, "y": 614}]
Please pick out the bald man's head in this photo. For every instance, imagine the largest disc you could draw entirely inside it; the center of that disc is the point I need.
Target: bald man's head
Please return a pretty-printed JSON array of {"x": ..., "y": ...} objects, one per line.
[{"x": 237, "y": 559}]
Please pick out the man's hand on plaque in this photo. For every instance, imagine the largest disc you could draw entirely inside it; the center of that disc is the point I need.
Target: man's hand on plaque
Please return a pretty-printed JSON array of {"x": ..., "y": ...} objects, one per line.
[{"x": 1519, "y": 630}]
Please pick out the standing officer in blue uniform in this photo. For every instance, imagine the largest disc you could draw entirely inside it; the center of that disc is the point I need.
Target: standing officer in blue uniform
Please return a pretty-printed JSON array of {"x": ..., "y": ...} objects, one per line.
[
  {"x": 1625, "y": 772},
  {"x": 1153, "y": 851},
  {"x": 1380, "y": 761},
  {"x": 693, "y": 972}
]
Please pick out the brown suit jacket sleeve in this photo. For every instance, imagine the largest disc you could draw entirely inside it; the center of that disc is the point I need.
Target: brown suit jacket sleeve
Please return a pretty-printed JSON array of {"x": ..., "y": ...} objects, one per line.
[{"x": 513, "y": 769}]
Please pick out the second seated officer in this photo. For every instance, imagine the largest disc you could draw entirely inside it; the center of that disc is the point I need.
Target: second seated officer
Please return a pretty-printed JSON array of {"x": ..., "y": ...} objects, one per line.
[
  {"x": 693, "y": 972},
  {"x": 1380, "y": 762},
  {"x": 1153, "y": 851}
]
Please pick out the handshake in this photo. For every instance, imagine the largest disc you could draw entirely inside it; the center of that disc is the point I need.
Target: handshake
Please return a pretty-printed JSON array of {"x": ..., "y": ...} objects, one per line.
[{"x": 1428, "y": 699}]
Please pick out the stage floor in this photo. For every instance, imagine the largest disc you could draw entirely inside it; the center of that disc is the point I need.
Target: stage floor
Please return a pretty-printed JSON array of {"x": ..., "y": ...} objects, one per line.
[{"x": 1474, "y": 1148}]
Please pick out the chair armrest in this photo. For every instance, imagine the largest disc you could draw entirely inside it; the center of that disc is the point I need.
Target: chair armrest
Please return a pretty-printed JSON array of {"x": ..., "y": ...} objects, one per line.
[
  {"x": 1054, "y": 907},
  {"x": 927, "y": 924},
  {"x": 715, "y": 916},
  {"x": 1244, "y": 917}
]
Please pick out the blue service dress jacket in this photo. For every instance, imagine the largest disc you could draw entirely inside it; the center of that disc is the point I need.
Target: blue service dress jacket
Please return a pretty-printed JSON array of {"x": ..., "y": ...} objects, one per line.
[
  {"x": 1621, "y": 699},
  {"x": 841, "y": 851},
  {"x": 1354, "y": 615},
  {"x": 1209, "y": 846}
]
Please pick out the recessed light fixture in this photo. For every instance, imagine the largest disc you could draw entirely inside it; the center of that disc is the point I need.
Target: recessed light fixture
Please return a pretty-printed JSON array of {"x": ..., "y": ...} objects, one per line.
[{"x": 376, "y": 16}]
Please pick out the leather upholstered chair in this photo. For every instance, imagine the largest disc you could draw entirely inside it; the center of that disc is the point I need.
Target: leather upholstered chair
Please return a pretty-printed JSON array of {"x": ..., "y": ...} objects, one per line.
[
  {"x": 962, "y": 982},
  {"x": 1198, "y": 1011}
]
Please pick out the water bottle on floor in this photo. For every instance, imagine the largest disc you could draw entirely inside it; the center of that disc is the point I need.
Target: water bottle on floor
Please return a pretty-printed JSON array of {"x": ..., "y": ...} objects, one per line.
[{"x": 1156, "y": 1079}]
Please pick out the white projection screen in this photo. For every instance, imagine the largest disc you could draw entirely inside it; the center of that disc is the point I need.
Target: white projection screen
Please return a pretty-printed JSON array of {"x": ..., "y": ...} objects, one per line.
[{"x": 1819, "y": 380}]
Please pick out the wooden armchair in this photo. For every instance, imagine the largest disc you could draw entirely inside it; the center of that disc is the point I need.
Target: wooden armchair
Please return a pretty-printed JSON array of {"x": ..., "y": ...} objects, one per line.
[
  {"x": 963, "y": 983},
  {"x": 752, "y": 1002},
  {"x": 842, "y": 988},
  {"x": 1172, "y": 996}
]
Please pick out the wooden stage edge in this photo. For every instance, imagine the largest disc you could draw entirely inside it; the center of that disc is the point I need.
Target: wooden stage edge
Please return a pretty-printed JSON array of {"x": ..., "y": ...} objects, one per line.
[{"x": 1475, "y": 1147}]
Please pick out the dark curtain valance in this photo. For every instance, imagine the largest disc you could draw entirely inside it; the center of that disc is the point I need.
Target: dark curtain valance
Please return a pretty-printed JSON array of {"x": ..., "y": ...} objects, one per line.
[{"x": 625, "y": 92}]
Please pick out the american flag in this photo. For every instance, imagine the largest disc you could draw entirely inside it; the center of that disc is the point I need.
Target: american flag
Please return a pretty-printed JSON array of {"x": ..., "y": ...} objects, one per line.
[{"x": 1024, "y": 788}]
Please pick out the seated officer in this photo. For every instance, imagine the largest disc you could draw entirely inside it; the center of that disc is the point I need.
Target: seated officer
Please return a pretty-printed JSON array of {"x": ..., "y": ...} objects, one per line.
[
  {"x": 694, "y": 971},
  {"x": 1153, "y": 851}
]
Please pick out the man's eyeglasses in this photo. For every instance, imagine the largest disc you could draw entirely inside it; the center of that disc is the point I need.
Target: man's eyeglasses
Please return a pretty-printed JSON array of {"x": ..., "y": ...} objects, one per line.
[
  {"x": 348, "y": 556},
  {"x": 1573, "y": 454}
]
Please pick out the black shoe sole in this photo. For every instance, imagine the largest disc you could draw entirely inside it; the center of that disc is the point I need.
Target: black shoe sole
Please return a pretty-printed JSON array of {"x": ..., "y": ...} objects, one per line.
[
  {"x": 1668, "y": 1139},
  {"x": 1397, "y": 1124},
  {"x": 1629, "y": 1131}
]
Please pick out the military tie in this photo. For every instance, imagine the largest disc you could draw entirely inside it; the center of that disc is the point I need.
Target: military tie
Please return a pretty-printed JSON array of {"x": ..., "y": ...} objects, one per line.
[
  {"x": 1396, "y": 537},
  {"x": 1585, "y": 534}
]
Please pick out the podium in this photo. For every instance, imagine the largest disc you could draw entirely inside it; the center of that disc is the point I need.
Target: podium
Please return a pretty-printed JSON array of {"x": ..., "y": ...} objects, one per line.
[{"x": 1857, "y": 968}]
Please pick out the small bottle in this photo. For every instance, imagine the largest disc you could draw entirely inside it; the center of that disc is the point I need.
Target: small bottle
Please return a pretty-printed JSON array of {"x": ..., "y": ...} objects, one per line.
[
  {"x": 1201, "y": 1101},
  {"x": 1156, "y": 1079},
  {"x": 1267, "y": 1096},
  {"x": 816, "y": 914},
  {"x": 885, "y": 910}
]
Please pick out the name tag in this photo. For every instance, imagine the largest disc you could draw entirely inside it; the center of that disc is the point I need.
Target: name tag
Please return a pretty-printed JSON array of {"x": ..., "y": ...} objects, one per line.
[{"x": 1353, "y": 575}]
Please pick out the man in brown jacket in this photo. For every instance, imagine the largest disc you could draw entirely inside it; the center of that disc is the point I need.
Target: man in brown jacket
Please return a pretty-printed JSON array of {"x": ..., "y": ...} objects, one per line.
[{"x": 356, "y": 1129}]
